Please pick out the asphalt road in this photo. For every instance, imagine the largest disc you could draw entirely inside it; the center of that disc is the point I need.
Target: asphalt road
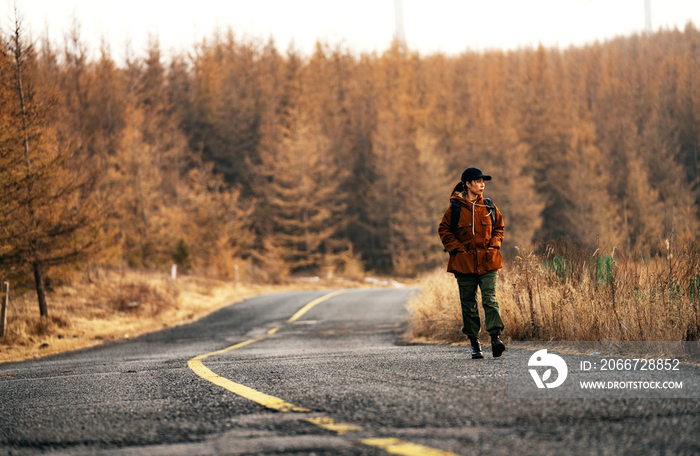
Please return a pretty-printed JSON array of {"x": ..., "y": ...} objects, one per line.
[{"x": 366, "y": 393}]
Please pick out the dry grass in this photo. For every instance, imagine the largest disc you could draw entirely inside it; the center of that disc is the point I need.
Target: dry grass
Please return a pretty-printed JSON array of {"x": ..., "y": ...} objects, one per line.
[
  {"x": 571, "y": 294},
  {"x": 436, "y": 316},
  {"x": 117, "y": 304}
]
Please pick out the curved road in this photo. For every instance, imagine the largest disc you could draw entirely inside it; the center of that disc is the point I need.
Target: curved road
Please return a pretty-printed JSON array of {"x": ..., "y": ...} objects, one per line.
[{"x": 272, "y": 375}]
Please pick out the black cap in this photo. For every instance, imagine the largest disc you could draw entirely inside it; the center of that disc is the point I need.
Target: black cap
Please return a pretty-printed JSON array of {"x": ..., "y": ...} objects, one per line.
[{"x": 471, "y": 174}]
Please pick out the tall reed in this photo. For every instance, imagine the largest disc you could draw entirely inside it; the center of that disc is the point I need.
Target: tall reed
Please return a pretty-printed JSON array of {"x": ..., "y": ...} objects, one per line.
[{"x": 569, "y": 292}]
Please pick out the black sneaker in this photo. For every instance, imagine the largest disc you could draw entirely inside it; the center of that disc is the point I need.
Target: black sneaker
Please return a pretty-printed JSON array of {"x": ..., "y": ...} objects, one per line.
[
  {"x": 497, "y": 346},
  {"x": 476, "y": 349}
]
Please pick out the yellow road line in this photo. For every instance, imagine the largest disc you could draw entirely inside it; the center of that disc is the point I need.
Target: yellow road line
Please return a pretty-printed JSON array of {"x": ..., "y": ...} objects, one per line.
[
  {"x": 328, "y": 423},
  {"x": 224, "y": 350},
  {"x": 242, "y": 390},
  {"x": 393, "y": 446},
  {"x": 396, "y": 446},
  {"x": 256, "y": 396},
  {"x": 308, "y": 307}
]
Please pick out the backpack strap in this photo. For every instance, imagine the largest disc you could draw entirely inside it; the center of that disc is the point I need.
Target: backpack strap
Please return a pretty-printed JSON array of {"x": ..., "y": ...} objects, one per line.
[
  {"x": 456, "y": 211},
  {"x": 492, "y": 210}
]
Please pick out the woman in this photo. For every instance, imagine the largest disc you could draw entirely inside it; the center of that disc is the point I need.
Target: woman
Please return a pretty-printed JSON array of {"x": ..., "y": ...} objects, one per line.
[{"x": 473, "y": 244}]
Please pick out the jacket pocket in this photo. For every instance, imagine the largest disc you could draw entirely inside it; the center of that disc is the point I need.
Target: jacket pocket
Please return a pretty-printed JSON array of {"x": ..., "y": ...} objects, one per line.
[
  {"x": 487, "y": 227},
  {"x": 465, "y": 233},
  {"x": 494, "y": 260},
  {"x": 462, "y": 262}
]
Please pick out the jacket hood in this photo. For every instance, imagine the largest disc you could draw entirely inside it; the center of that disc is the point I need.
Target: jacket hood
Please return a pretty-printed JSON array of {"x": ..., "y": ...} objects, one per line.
[{"x": 457, "y": 193}]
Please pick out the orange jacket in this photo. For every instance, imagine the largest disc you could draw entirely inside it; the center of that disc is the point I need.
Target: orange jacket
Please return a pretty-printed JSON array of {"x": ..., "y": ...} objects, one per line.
[{"x": 475, "y": 249}]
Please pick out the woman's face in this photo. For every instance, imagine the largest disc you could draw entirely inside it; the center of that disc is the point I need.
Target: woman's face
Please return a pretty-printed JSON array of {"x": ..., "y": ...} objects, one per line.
[{"x": 476, "y": 186}]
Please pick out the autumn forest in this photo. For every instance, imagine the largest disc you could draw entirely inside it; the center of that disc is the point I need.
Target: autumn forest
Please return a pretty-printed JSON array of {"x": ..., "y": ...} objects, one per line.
[{"x": 240, "y": 154}]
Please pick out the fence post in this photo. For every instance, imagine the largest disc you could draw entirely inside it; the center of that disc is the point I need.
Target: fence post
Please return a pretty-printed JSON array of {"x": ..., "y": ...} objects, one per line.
[
  {"x": 3, "y": 311},
  {"x": 173, "y": 272}
]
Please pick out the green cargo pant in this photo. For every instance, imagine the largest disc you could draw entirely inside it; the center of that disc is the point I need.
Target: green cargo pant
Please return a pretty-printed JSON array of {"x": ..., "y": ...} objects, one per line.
[{"x": 468, "y": 283}]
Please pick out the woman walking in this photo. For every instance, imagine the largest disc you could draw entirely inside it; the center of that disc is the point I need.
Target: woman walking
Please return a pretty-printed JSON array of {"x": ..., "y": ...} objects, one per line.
[{"x": 472, "y": 231}]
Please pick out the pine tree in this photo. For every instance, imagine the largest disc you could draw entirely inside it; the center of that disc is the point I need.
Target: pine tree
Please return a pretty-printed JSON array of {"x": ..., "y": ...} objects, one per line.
[
  {"x": 362, "y": 113},
  {"x": 301, "y": 195},
  {"x": 421, "y": 202},
  {"x": 495, "y": 146},
  {"x": 592, "y": 216},
  {"x": 50, "y": 215},
  {"x": 226, "y": 107},
  {"x": 544, "y": 131},
  {"x": 214, "y": 223},
  {"x": 394, "y": 157}
]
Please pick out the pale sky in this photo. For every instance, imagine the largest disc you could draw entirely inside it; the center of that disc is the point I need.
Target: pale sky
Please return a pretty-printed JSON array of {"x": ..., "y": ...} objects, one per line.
[{"x": 449, "y": 26}]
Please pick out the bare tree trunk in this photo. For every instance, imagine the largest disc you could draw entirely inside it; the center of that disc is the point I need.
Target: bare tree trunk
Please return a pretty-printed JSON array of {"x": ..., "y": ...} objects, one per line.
[
  {"x": 389, "y": 198},
  {"x": 19, "y": 55},
  {"x": 18, "y": 52},
  {"x": 40, "y": 292},
  {"x": 3, "y": 311}
]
